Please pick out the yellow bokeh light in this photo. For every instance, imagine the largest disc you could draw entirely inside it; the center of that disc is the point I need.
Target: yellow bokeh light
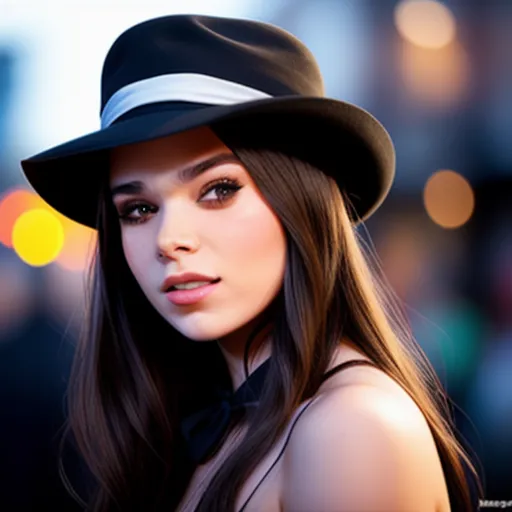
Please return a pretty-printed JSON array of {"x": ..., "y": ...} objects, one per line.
[
  {"x": 78, "y": 244},
  {"x": 12, "y": 204},
  {"x": 449, "y": 199},
  {"x": 425, "y": 23},
  {"x": 37, "y": 237}
]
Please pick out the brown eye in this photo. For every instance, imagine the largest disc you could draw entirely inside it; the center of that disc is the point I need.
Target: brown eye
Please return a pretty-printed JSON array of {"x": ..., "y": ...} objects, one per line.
[
  {"x": 224, "y": 189},
  {"x": 136, "y": 213}
]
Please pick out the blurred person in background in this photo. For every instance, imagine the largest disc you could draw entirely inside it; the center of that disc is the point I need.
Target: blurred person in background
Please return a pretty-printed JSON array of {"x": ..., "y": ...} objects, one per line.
[{"x": 205, "y": 163}]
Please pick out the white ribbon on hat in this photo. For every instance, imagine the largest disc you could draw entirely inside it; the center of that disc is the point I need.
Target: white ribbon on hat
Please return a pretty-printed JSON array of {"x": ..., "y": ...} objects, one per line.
[{"x": 190, "y": 87}]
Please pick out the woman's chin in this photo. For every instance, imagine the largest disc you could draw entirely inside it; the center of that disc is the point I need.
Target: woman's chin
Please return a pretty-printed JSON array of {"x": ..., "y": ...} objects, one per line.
[{"x": 197, "y": 332}]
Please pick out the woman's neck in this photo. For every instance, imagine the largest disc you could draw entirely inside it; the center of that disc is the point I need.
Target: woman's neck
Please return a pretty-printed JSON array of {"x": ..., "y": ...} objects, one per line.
[{"x": 232, "y": 347}]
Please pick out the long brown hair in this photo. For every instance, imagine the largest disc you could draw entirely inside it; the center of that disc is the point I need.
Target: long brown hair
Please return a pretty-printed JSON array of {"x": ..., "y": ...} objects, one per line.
[{"x": 134, "y": 376}]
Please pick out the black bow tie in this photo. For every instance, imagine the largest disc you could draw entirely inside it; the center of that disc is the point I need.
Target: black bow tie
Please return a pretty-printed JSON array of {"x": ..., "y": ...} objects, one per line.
[{"x": 204, "y": 429}]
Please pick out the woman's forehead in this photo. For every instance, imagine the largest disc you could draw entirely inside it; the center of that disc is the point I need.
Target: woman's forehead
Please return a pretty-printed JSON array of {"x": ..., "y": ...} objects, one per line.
[{"x": 166, "y": 153}]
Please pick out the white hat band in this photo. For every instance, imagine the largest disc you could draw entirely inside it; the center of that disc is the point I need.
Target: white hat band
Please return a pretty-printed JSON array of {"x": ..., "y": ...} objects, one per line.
[{"x": 189, "y": 87}]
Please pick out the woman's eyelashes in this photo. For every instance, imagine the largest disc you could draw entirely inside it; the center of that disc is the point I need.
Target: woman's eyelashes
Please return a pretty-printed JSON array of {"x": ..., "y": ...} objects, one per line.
[
  {"x": 229, "y": 186},
  {"x": 222, "y": 189},
  {"x": 135, "y": 212}
]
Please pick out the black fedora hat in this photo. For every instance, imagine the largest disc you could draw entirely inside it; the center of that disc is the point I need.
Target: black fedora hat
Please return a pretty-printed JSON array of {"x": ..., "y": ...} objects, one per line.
[{"x": 179, "y": 72}]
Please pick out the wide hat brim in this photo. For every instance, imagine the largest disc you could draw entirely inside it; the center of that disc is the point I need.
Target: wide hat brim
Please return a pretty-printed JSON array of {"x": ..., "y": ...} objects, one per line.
[{"x": 346, "y": 141}]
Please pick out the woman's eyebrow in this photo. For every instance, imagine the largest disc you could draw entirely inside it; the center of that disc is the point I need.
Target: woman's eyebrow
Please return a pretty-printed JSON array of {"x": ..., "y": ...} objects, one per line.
[{"x": 184, "y": 175}]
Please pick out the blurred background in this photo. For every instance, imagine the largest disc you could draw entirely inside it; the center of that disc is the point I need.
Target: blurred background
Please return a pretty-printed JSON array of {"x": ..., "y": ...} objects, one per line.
[{"x": 439, "y": 77}]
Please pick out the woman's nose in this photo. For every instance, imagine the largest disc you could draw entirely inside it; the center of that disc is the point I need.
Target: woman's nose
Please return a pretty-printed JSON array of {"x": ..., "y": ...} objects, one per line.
[{"x": 176, "y": 235}]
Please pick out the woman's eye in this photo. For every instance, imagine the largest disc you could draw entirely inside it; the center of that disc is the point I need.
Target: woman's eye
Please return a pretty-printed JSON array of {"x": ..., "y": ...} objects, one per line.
[
  {"x": 221, "y": 190},
  {"x": 216, "y": 192},
  {"x": 136, "y": 213}
]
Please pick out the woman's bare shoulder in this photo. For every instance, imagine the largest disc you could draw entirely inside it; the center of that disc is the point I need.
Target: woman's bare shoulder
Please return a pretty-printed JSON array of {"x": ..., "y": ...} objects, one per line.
[{"x": 363, "y": 444}]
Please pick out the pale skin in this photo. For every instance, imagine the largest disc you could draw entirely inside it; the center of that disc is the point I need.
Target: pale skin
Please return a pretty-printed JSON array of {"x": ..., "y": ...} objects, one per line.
[
  {"x": 363, "y": 445},
  {"x": 241, "y": 240}
]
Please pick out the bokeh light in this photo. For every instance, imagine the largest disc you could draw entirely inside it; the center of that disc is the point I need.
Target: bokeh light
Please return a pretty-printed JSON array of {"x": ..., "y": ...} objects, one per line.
[
  {"x": 78, "y": 246},
  {"x": 439, "y": 78},
  {"x": 12, "y": 204},
  {"x": 449, "y": 199},
  {"x": 425, "y": 23},
  {"x": 37, "y": 237}
]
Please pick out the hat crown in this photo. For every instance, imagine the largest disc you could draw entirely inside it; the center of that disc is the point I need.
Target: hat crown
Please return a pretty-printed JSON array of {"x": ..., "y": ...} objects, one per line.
[{"x": 251, "y": 53}]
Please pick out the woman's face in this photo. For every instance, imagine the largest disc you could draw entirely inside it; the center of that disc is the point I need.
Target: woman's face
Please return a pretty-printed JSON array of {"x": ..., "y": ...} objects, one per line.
[{"x": 186, "y": 204}]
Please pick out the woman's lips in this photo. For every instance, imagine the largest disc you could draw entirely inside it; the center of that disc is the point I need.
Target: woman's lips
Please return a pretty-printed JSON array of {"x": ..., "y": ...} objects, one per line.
[{"x": 186, "y": 297}]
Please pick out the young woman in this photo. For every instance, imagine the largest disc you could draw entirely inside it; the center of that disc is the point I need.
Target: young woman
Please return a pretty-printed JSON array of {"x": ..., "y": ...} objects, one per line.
[{"x": 240, "y": 353}]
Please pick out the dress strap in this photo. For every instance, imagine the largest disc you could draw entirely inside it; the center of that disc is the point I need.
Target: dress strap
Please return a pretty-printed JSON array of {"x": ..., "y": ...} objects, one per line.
[
  {"x": 300, "y": 411},
  {"x": 346, "y": 364}
]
